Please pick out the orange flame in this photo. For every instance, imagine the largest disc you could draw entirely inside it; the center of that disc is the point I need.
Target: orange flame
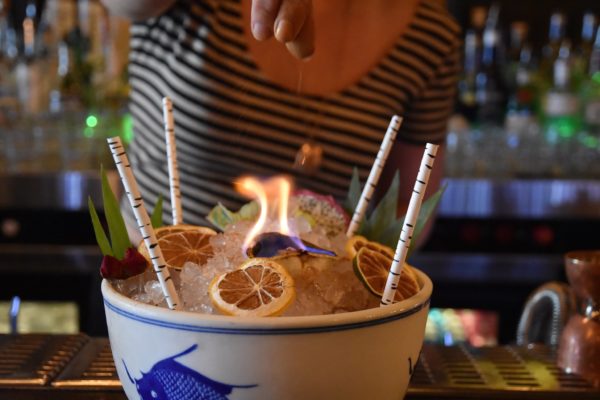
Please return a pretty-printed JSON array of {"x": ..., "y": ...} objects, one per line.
[
  {"x": 271, "y": 194},
  {"x": 284, "y": 199}
]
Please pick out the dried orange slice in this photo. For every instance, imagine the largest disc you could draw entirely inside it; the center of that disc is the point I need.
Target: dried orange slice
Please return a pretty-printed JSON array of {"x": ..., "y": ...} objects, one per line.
[
  {"x": 168, "y": 229},
  {"x": 372, "y": 267},
  {"x": 181, "y": 244},
  {"x": 259, "y": 288},
  {"x": 357, "y": 242}
]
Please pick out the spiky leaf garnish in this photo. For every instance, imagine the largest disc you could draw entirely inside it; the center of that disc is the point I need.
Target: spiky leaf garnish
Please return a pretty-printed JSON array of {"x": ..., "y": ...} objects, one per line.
[
  {"x": 354, "y": 193},
  {"x": 157, "y": 214},
  {"x": 99, "y": 230},
  {"x": 381, "y": 225},
  {"x": 121, "y": 260},
  {"x": 119, "y": 239}
]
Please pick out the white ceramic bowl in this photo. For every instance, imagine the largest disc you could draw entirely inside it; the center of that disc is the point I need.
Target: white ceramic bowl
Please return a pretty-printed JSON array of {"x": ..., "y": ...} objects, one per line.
[{"x": 164, "y": 354}]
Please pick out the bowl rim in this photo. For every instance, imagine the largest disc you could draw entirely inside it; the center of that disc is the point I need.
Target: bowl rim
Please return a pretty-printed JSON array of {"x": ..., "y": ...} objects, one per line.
[{"x": 193, "y": 321}]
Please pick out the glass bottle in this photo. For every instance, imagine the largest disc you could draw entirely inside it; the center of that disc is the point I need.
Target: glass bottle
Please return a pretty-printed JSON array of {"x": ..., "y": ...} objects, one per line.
[
  {"x": 521, "y": 107},
  {"x": 519, "y": 32},
  {"x": 590, "y": 95},
  {"x": 562, "y": 120},
  {"x": 29, "y": 69},
  {"x": 467, "y": 104},
  {"x": 581, "y": 60},
  {"x": 550, "y": 51},
  {"x": 490, "y": 91}
]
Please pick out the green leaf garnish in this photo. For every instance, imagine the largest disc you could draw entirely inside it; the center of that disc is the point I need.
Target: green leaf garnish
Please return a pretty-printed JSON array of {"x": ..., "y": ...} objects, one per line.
[
  {"x": 220, "y": 216},
  {"x": 354, "y": 193},
  {"x": 425, "y": 213},
  {"x": 157, "y": 213},
  {"x": 381, "y": 225},
  {"x": 248, "y": 212},
  {"x": 387, "y": 208},
  {"x": 116, "y": 225},
  {"x": 99, "y": 230}
]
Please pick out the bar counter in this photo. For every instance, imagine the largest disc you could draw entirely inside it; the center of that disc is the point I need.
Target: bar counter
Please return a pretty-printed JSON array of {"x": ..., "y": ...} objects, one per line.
[{"x": 77, "y": 367}]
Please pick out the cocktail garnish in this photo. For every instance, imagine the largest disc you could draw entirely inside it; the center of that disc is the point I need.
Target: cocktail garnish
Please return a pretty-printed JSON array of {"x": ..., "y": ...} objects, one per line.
[
  {"x": 132, "y": 264},
  {"x": 272, "y": 244},
  {"x": 121, "y": 260},
  {"x": 157, "y": 214},
  {"x": 221, "y": 217},
  {"x": 372, "y": 267},
  {"x": 259, "y": 288},
  {"x": 381, "y": 225}
]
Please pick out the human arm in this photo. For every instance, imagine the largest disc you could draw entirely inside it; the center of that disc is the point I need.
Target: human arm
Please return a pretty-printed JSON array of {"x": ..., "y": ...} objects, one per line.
[{"x": 137, "y": 10}]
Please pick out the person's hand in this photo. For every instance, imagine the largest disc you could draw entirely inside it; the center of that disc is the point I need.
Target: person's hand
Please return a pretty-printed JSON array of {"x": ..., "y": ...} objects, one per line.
[{"x": 290, "y": 21}]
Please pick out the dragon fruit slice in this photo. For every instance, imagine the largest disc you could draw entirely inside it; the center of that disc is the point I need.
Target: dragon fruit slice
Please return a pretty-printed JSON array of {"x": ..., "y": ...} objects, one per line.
[
  {"x": 323, "y": 210},
  {"x": 132, "y": 264}
]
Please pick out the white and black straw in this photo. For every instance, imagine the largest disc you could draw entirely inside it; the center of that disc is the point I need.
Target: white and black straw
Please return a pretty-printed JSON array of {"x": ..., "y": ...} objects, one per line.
[
  {"x": 410, "y": 220},
  {"x": 174, "y": 185},
  {"x": 143, "y": 221},
  {"x": 373, "y": 179}
]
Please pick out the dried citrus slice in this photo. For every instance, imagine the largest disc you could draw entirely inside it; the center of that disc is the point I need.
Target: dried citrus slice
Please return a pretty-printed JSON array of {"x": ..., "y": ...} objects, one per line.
[
  {"x": 259, "y": 288},
  {"x": 168, "y": 229},
  {"x": 183, "y": 243},
  {"x": 372, "y": 268},
  {"x": 355, "y": 243}
]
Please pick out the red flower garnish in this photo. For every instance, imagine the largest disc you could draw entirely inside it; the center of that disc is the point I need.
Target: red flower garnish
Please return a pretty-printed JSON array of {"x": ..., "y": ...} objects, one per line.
[{"x": 132, "y": 264}]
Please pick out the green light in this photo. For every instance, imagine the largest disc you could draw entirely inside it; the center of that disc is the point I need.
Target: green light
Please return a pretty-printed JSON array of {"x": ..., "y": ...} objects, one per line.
[
  {"x": 91, "y": 121},
  {"x": 591, "y": 142},
  {"x": 127, "y": 128},
  {"x": 567, "y": 127},
  {"x": 88, "y": 132}
]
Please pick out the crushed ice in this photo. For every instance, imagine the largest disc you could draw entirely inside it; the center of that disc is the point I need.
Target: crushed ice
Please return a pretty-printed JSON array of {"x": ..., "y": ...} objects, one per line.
[{"x": 319, "y": 290}]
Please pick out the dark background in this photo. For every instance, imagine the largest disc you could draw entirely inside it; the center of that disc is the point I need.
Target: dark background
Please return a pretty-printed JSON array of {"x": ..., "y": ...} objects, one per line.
[{"x": 535, "y": 12}]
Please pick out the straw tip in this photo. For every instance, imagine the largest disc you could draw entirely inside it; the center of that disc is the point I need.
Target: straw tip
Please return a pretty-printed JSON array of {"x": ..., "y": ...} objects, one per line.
[
  {"x": 396, "y": 122},
  {"x": 166, "y": 100},
  {"x": 431, "y": 146}
]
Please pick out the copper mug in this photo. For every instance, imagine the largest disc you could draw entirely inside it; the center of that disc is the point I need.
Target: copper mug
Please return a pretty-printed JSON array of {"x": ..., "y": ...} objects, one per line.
[{"x": 579, "y": 348}]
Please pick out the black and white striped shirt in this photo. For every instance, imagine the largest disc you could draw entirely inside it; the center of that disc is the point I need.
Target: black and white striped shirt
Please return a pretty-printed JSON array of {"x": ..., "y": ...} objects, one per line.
[{"x": 230, "y": 120}]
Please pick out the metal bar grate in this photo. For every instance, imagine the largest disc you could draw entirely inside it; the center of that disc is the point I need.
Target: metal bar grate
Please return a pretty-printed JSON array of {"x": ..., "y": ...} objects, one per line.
[
  {"x": 77, "y": 362},
  {"x": 35, "y": 360},
  {"x": 93, "y": 368},
  {"x": 495, "y": 372}
]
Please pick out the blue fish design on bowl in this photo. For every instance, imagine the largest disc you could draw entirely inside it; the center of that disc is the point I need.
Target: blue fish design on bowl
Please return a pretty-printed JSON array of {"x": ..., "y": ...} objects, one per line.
[{"x": 171, "y": 380}]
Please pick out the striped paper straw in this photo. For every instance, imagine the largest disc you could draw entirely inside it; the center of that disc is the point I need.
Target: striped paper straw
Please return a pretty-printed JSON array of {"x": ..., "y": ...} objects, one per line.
[
  {"x": 376, "y": 169},
  {"x": 143, "y": 221},
  {"x": 409, "y": 223},
  {"x": 176, "y": 210}
]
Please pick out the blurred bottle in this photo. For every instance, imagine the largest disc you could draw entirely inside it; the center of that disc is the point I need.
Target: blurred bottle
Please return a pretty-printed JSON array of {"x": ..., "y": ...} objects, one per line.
[
  {"x": 467, "y": 102},
  {"x": 590, "y": 95},
  {"x": 477, "y": 19},
  {"x": 490, "y": 90},
  {"x": 519, "y": 32},
  {"x": 28, "y": 69},
  {"x": 583, "y": 51},
  {"x": 562, "y": 118},
  {"x": 550, "y": 51},
  {"x": 521, "y": 108}
]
